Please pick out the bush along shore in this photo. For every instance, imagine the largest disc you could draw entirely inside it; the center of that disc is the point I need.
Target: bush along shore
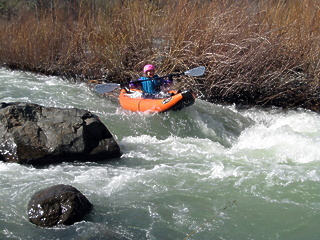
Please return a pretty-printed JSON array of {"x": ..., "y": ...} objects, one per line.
[{"x": 257, "y": 52}]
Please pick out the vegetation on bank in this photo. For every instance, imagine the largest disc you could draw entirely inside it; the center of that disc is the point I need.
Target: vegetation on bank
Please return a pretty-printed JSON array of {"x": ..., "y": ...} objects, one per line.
[{"x": 257, "y": 52}]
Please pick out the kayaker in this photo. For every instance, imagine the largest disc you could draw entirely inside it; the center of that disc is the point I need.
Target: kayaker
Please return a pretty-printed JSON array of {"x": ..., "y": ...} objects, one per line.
[{"x": 151, "y": 88}]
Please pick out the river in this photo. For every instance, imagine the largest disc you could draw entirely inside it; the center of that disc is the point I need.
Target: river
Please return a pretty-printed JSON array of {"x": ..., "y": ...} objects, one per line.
[{"x": 206, "y": 172}]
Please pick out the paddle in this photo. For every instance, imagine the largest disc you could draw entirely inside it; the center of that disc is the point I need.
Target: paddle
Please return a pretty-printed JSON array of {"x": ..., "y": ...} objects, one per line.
[{"x": 108, "y": 87}]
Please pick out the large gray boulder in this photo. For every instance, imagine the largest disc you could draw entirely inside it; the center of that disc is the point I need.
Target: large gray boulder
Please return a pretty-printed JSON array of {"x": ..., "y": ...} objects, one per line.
[
  {"x": 58, "y": 205},
  {"x": 33, "y": 134}
]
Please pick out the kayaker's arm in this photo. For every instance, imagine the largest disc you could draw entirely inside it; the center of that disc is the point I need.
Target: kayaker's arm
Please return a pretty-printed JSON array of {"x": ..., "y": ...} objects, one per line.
[
  {"x": 192, "y": 72},
  {"x": 108, "y": 87}
]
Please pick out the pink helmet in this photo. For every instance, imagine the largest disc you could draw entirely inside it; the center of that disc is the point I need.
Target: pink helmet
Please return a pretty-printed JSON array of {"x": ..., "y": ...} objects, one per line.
[{"x": 148, "y": 67}]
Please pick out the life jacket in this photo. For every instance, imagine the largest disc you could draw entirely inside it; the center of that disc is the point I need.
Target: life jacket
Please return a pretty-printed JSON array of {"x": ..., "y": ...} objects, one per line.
[{"x": 152, "y": 86}]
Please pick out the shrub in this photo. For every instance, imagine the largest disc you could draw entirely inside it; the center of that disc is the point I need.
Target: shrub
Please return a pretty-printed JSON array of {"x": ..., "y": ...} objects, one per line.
[{"x": 256, "y": 52}]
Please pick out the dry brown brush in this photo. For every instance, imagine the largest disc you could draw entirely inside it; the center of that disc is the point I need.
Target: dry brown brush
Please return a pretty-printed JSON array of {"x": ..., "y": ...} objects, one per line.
[{"x": 256, "y": 52}]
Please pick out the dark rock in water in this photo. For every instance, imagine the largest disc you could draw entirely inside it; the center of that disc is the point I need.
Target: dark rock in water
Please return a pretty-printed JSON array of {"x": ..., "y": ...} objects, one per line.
[
  {"x": 33, "y": 134},
  {"x": 58, "y": 205}
]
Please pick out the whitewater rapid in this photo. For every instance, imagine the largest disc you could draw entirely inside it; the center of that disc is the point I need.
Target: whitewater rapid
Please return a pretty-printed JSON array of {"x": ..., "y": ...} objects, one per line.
[{"x": 206, "y": 172}]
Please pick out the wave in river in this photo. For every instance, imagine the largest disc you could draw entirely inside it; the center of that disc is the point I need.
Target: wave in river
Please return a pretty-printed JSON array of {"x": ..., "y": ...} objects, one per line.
[{"x": 207, "y": 172}]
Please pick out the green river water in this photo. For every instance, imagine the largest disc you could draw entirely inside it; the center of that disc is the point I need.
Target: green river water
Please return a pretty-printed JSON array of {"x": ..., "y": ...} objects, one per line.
[{"x": 206, "y": 172}]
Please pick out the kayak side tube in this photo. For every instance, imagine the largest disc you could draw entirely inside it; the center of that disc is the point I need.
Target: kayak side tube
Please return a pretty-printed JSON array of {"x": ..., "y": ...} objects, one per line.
[
  {"x": 173, "y": 103},
  {"x": 187, "y": 99}
]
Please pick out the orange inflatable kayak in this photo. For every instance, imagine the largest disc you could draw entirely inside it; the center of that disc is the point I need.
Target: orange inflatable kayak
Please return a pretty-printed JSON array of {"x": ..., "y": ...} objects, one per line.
[{"x": 134, "y": 101}]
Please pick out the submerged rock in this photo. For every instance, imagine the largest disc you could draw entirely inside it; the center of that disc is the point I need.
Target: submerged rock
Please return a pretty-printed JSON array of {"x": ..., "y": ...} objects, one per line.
[
  {"x": 58, "y": 205},
  {"x": 33, "y": 134}
]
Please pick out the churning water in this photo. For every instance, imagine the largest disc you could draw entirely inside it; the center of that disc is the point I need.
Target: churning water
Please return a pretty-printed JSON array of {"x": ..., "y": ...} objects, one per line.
[{"x": 206, "y": 172}]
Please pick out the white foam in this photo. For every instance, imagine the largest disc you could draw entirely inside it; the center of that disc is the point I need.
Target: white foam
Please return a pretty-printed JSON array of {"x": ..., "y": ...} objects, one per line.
[{"x": 286, "y": 137}]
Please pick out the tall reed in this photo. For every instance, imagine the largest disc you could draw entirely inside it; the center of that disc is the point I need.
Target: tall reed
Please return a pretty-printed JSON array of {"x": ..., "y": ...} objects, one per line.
[{"x": 256, "y": 52}]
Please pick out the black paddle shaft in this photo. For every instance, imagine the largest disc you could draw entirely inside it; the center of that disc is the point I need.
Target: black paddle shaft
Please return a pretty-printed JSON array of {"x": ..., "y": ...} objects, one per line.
[{"x": 167, "y": 76}]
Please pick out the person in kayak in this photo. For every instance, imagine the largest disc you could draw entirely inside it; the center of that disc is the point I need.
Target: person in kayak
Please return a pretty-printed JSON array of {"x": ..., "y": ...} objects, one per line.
[{"x": 151, "y": 83}]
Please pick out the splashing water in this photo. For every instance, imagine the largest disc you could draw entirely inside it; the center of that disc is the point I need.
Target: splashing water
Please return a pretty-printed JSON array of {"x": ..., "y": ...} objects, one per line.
[{"x": 178, "y": 172}]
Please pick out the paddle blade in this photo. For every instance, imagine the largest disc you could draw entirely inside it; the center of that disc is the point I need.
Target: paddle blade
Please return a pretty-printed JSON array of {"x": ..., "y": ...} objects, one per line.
[
  {"x": 195, "y": 72},
  {"x": 107, "y": 87}
]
